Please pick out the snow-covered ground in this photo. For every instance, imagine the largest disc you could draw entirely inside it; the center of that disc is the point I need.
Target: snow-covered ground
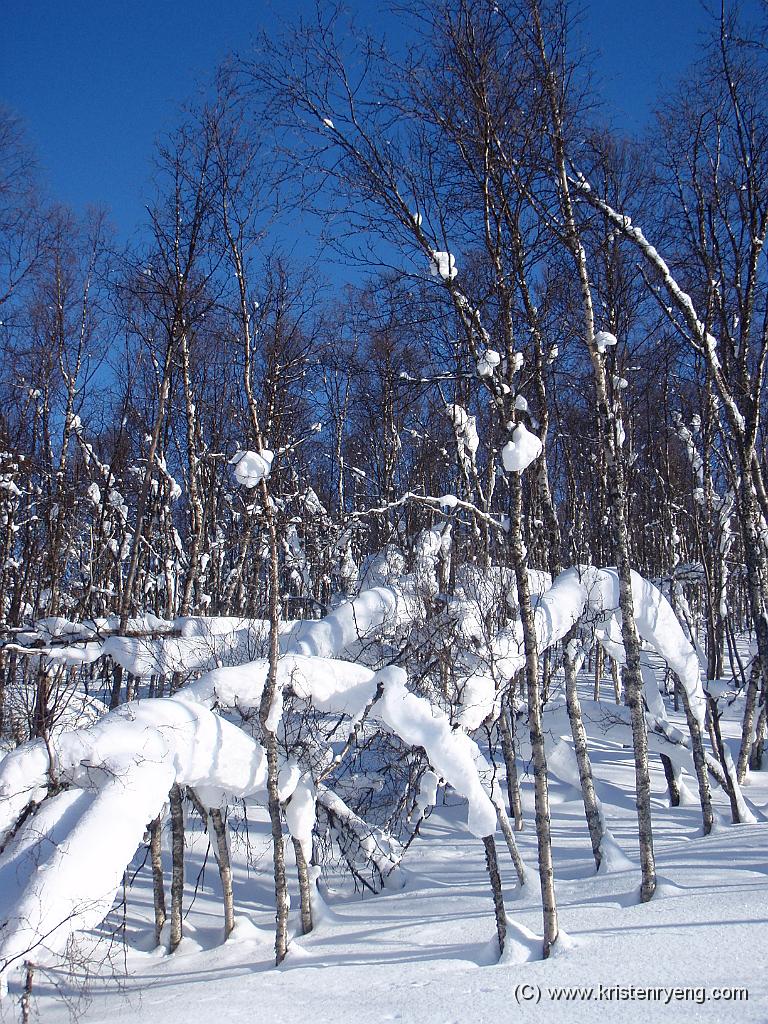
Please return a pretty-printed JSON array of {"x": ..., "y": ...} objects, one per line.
[{"x": 426, "y": 952}]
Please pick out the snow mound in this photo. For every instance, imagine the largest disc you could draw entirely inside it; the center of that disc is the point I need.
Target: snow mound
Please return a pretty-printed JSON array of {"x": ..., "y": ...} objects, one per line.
[{"x": 521, "y": 945}]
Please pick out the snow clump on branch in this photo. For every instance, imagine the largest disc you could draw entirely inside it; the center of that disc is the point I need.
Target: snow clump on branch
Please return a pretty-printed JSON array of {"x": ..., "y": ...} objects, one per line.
[
  {"x": 250, "y": 468},
  {"x": 604, "y": 340},
  {"x": 521, "y": 451},
  {"x": 488, "y": 362},
  {"x": 443, "y": 264}
]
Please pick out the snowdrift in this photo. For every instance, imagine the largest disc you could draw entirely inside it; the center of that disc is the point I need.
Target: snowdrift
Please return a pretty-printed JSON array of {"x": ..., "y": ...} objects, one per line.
[{"x": 73, "y": 812}]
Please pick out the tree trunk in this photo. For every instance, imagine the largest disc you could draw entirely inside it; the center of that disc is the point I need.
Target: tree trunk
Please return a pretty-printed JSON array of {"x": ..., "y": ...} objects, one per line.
[
  {"x": 510, "y": 761},
  {"x": 492, "y": 866},
  {"x": 538, "y": 751},
  {"x": 158, "y": 884},
  {"x": 509, "y": 835},
  {"x": 282, "y": 902},
  {"x": 748, "y": 724},
  {"x": 305, "y": 889},
  {"x": 700, "y": 763},
  {"x": 756, "y": 754},
  {"x": 225, "y": 868},
  {"x": 616, "y": 681},
  {"x": 724, "y": 758},
  {"x": 26, "y": 995},
  {"x": 599, "y": 663},
  {"x": 591, "y": 808},
  {"x": 177, "y": 873},
  {"x": 672, "y": 783},
  {"x": 608, "y": 432}
]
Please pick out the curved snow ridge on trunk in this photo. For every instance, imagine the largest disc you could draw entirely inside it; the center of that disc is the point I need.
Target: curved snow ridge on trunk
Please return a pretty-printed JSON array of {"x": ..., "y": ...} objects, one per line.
[
  {"x": 329, "y": 683},
  {"x": 204, "y": 641},
  {"x": 123, "y": 766},
  {"x": 557, "y": 610},
  {"x": 340, "y": 687},
  {"x": 203, "y": 749},
  {"x": 657, "y": 624},
  {"x": 136, "y": 730},
  {"x": 555, "y": 613},
  {"x": 350, "y": 623},
  {"x": 450, "y": 751},
  {"x": 59, "y": 876}
]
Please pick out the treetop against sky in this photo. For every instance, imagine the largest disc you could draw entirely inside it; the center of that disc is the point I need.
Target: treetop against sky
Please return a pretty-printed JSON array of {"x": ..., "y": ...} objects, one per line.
[{"x": 96, "y": 83}]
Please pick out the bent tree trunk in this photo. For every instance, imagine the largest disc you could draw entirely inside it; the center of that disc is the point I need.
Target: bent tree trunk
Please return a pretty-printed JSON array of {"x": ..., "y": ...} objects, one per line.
[
  {"x": 506, "y": 727},
  {"x": 509, "y": 836},
  {"x": 673, "y": 784},
  {"x": 492, "y": 866},
  {"x": 225, "y": 868},
  {"x": 302, "y": 871},
  {"x": 588, "y": 795}
]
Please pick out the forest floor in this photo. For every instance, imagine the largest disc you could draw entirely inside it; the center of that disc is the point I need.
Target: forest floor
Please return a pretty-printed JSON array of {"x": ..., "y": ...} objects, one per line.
[{"x": 425, "y": 953}]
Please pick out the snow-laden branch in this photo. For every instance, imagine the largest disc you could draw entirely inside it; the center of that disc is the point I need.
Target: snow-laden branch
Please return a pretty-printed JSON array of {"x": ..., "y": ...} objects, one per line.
[
  {"x": 574, "y": 593},
  {"x": 127, "y": 761},
  {"x": 121, "y": 768},
  {"x": 702, "y": 340}
]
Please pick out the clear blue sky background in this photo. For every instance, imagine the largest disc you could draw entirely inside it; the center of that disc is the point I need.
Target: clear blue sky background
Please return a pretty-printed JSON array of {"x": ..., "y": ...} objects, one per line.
[{"x": 96, "y": 81}]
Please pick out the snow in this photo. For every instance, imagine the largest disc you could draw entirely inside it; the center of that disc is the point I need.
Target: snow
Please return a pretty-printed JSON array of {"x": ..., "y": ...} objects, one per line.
[
  {"x": 349, "y": 624},
  {"x": 425, "y": 952},
  {"x": 443, "y": 265},
  {"x": 59, "y": 875},
  {"x": 66, "y": 877},
  {"x": 488, "y": 362},
  {"x": 450, "y": 752},
  {"x": 300, "y": 814},
  {"x": 123, "y": 767},
  {"x": 523, "y": 449},
  {"x": 465, "y": 428},
  {"x": 657, "y": 624},
  {"x": 250, "y": 468},
  {"x": 427, "y": 796},
  {"x": 604, "y": 340},
  {"x": 330, "y": 685}
]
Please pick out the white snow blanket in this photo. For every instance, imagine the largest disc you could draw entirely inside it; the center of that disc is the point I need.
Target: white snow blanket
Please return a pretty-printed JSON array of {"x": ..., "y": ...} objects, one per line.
[{"x": 61, "y": 869}]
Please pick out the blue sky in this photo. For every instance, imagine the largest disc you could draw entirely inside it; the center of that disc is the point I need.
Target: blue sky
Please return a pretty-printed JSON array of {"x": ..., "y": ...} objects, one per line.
[{"x": 96, "y": 81}]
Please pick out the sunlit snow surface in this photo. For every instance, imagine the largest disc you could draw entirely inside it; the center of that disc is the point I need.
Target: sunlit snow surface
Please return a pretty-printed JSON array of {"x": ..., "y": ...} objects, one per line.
[{"x": 426, "y": 954}]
